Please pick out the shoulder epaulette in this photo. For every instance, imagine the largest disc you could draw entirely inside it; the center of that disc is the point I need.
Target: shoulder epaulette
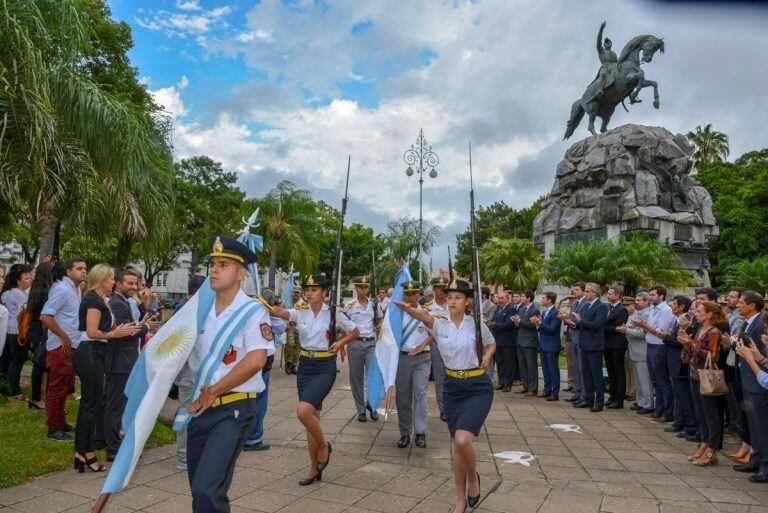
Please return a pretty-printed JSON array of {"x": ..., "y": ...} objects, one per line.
[
  {"x": 439, "y": 316},
  {"x": 351, "y": 304},
  {"x": 427, "y": 304},
  {"x": 301, "y": 307}
]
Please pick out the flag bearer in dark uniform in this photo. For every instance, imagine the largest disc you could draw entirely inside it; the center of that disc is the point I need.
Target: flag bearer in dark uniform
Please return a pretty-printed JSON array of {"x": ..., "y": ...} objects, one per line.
[
  {"x": 360, "y": 352},
  {"x": 413, "y": 369},
  {"x": 317, "y": 365},
  {"x": 225, "y": 411},
  {"x": 439, "y": 306},
  {"x": 468, "y": 392}
]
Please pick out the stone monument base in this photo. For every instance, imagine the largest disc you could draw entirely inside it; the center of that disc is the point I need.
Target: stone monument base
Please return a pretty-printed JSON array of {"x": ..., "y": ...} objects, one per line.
[{"x": 631, "y": 179}]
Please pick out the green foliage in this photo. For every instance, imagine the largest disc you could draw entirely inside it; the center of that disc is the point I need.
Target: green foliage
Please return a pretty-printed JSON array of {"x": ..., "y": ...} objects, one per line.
[
  {"x": 739, "y": 192},
  {"x": 711, "y": 145},
  {"x": 514, "y": 263},
  {"x": 496, "y": 220},
  {"x": 749, "y": 274},
  {"x": 634, "y": 263}
]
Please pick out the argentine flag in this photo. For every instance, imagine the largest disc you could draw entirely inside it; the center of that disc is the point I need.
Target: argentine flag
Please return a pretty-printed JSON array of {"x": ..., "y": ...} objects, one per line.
[
  {"x": 151, "y": 379},
  {"x": 381, "y": 374},
  {"x": 290, "y": 284}
]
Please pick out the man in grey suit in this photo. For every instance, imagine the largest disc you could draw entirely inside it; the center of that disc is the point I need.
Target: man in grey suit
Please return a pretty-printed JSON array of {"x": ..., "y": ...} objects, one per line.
[
  {"x": 572, "y": 334},
  {"x": 528, "y": 344},
  {"x": 637, "y": 354}
]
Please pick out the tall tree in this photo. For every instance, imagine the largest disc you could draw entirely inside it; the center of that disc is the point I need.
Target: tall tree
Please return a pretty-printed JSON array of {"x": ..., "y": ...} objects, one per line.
[
  {"x": 749, "y": 274},
  {"x": 496, "y": 220},
  {"x": 208, "y": 203},
  {"x": 511, "y": 262},
  {"x": 711, "y": 145}
]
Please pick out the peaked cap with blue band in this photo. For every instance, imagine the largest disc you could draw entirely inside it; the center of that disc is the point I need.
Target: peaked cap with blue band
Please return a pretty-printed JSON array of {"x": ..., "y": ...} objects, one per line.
[{"x": 229, "y": 248}]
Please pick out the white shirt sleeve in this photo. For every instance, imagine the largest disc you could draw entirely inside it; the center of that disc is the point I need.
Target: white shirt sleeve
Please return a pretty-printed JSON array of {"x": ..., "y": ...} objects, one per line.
[
  {"x": 255, "y": 330},
  {"x": 344, "y": 322},
  {"x": 486, "y": 334},
  {"x": 293, "y": 315}
]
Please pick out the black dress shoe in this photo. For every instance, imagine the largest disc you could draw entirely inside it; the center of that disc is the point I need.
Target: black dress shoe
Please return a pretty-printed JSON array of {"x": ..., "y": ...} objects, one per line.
[
  {"x": 362, "y": 418},
  {"x": 374, "y": 413},
  {"x": 760, "y": 477},
  {"x": 693, "y": 438},
  {"x": 569, "y": 389},
  {"x": 747, "y": 467},
  {"x": 616, "y": 406},
  {"x": 673, "y": 429},
  {"x": 644, "y": 411},
  {"x": 404, "y": 442},
  {"x": 681, "y": 434},
  {"x": 635, "y": 407},
  {"x": 258, "y": 446},
  {"x": 472, "y": 501},
  {"x": 309, "y": 480},
  {"x": 596, "y": 408},
  {"x": 420, "y": 441},
  {"x": 573, "y": 399},
  {"x": 321, "y": 465},
  {"x": 583, "y": 405},
  {"x": 442, "y": 417}
]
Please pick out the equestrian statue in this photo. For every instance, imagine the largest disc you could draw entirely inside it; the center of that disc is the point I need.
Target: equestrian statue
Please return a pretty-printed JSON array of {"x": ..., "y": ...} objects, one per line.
[{"x": 617, "y": 79}]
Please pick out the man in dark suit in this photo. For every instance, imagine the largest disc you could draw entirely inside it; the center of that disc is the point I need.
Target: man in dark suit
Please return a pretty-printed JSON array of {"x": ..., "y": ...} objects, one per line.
[
  {"x": 120, "y": 358},
  {"x": 572, "y": 335},
  {"x": 527, "y": 344},
  {"x": 591, "y": 324},
  {"x": 503, "y": 330},
  {"x": 616, "y": 347},
  {"x": 685, "y": 415},
  {"x": 549, "y": 338},
  {"x": 750, "y": 306}
]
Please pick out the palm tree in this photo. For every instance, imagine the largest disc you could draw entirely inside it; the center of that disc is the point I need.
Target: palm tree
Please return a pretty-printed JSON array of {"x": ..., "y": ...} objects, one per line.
[
  {"x": 642, "y": 262},
  {"x": 291, "y": 221},
  {"x": 68, "y": 150},
  {"x": 711, "y": 145},
  {"x": 750, "y": 274},
  {"x": 589, "y": 261},
  {"x": 512, "y": 262}
]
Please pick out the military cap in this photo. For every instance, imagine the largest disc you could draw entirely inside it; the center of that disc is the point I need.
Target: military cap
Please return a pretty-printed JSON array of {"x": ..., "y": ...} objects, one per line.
[
  {"x": 411, "y": 286},
  {"x": 316, "y": 280},
  {"x": 459, "y": 286},
  {"x": 362, "y": 281},
  {"x": 229, "y": 248},
  {"x": 439, "y": 282}
]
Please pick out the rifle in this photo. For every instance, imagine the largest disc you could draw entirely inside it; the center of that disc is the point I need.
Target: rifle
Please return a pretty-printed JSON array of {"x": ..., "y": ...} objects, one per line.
[
  {"x": 335, "y": 288},
  {"x": 374, "y": 290},
  {"x": 450, "y": 265},
  {"x": 475, "y": 267}
]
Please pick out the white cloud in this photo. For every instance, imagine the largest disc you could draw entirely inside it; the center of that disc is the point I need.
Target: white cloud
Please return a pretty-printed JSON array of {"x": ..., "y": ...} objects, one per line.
[
  {"x": 192, "y": 20},
  {"x": 189, "y": 5},
  {"x": 170, "y": 98}
]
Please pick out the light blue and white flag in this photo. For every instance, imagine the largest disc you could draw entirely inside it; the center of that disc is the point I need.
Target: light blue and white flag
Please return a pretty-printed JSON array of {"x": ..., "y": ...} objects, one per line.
[
  {"x": 380, "y": 378},
  {"x": 151, "y": 378},
  {"x": 290, "y": 284},
  {"x": 255, "y": 243}
]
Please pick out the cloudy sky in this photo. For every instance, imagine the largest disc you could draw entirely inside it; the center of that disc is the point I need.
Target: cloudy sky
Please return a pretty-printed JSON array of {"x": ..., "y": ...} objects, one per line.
[{"x": 287, "y": 89}]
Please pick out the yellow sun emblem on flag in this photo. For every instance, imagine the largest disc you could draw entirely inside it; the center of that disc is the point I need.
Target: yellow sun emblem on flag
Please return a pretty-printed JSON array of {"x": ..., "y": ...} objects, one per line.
[{"x": 174, "y": 343}]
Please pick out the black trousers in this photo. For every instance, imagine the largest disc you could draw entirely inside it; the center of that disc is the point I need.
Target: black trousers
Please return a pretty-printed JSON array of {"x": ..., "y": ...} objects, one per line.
[
  {"x": 17, "y": 356},
  {"x": 685, "y": 411},
  {"x": 527, "y": 357},
  {"x": 37, "y": 336},
  {"x": 88, "y": 360},
  {"x": 119, "y": 362},
  {"x": 214, "y": 441},
  {"x": 707, "y": 417},
  {"x": 757, "y": 416},
  {"x": 506, "y": 361},
  {"x": 592, "y": 373},
  {"x": 614, "y": 363}
]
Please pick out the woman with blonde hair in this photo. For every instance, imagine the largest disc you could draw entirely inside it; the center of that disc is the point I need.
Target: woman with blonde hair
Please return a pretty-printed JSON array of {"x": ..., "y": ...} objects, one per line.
[
  {"x": 696, "y": 351},
  {"x": 96, "y": 327}
]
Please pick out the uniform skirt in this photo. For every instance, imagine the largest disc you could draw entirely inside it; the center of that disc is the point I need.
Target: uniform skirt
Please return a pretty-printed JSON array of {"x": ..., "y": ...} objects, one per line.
[
  {"x": 467, "y": 402},
  {"x": 315, "y": 379}
]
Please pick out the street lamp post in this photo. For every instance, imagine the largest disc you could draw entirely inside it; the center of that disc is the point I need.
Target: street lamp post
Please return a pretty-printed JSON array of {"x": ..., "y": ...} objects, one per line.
[{"x": 421, "y": 155}]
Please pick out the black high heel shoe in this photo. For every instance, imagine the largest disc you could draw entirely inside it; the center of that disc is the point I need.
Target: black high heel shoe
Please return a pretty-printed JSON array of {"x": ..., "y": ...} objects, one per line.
[
  {"x": 35, "y": 405},
  {"x": 81, "y": 465},
  {"x": 472, "y": 501},
  {"x": 321, "y": 465},
  {"x": 309, "y": 480}
]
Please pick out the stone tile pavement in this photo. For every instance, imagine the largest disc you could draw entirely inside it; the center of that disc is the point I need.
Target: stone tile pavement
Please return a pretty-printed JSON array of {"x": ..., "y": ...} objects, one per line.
[{"x": 617, "y": 462}]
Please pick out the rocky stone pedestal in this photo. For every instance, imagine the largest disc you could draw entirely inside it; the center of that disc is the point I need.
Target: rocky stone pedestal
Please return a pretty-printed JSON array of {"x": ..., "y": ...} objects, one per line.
[{"x": 631, "y": 179}]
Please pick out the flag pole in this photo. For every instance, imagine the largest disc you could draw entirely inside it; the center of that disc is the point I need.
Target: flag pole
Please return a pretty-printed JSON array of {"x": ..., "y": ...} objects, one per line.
[{"x": 100, "y": 503}]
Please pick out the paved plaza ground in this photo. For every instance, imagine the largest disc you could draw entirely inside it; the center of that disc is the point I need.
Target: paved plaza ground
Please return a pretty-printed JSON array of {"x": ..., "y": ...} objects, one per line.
[{"x": 619, "y": 462}]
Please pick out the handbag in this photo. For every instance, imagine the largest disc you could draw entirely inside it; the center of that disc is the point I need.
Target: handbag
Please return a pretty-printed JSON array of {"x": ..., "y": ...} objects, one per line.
[{"x": 712, "y": 379}]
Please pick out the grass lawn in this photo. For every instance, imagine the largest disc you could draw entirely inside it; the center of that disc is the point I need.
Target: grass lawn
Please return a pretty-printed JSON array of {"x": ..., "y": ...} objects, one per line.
[{"x": 25, "y": 451}]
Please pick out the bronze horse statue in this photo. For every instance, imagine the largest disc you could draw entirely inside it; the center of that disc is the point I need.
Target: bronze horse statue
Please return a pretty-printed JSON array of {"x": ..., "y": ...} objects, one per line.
[{"x": 617, "y": 80}]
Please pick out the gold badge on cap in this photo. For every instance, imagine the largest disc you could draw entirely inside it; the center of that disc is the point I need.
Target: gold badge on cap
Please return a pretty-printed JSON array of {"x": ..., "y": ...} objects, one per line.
[
  {"x": 218, "y": 247},
  {"x": 310, "y": 280}
]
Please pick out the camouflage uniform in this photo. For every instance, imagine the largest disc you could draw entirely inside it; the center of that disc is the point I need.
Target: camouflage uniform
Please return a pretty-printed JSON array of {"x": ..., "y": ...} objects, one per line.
[{"x": 292, "y": 346}]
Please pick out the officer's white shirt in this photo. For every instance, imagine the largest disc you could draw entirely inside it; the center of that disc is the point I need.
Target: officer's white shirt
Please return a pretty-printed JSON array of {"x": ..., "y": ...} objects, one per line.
[
  {"x": 419, "y": 335},
  {"x": 250, "y": 338},
  {"x": 457, "y": 345},
  {"x": 434, "y": 308},
  {"x": 362, "y": 317},
  {"x": 314, "y": 331}
]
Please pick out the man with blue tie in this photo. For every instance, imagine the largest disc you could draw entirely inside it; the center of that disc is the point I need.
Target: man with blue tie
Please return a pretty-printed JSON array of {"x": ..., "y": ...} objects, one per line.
[
  {"x": 549, "y": 337},
  {"x": 591, "y": 324},
  {"x": 616, "y": 347},
  {"x": 503, "y": 330}
]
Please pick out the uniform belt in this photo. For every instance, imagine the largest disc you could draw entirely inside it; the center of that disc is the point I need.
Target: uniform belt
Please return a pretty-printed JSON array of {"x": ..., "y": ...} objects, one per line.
[
  {"x": 464, "y": 374},
  {"x": 316, "y": 354},
  {"x": 231, "y": 398},
  {"x": 407, "y": 353},
  {"x": 366, "y": 339}
]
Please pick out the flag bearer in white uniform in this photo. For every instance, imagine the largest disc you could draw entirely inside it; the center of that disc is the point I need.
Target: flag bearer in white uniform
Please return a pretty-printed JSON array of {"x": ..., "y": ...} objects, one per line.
[
  {"x": 225, "y": 410},
  {"x": 360, "y": 352},
  {"x": 413, "y": 369}
]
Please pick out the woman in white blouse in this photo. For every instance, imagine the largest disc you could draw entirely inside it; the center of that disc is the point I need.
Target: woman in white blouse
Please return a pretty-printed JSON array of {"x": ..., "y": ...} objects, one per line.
[
  {"x": 468, "y": 391},
  {"x": 317, "y": 365}
]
